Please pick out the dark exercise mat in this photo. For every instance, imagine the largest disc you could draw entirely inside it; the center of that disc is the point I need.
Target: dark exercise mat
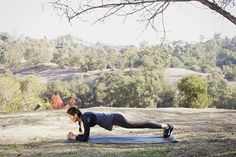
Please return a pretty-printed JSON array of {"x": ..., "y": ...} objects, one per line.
[{"x": 129, "y": 139}]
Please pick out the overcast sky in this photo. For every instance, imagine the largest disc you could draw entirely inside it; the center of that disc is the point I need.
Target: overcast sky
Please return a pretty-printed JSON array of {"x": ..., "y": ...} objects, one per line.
[{"x": 182, "y": 22}]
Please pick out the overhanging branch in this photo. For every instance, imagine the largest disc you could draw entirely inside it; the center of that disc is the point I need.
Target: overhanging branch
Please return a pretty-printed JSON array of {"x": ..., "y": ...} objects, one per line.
[
  {"x": 218, "y": 9},
  {"x": 139, "y": 5}
]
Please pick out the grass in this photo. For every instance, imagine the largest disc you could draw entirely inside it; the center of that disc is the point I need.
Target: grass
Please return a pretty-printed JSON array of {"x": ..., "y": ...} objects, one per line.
[
  {"x": 200, "y": 132},
  {"x": 195, "y": 147},
  {"x": 146, "y": 152},
  {"x": 80, "y": 149}
]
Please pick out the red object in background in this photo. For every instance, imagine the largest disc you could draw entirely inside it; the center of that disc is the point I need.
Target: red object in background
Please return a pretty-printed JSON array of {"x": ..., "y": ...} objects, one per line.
[
  {"x": 71, "y": 102},
  {"x": 56, "y": 102}
]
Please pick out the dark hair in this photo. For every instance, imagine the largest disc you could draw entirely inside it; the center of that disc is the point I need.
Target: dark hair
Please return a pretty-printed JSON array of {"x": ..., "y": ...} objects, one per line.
[{"x": 74, "y": 110}]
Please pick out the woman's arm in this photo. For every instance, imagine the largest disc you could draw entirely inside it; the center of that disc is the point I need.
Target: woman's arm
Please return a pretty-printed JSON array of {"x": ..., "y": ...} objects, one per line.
[{"x": 85, "y": 136}]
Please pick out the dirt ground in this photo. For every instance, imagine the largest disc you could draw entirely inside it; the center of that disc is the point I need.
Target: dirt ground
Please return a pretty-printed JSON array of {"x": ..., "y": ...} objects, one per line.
[{"x": 200, "y": 132}]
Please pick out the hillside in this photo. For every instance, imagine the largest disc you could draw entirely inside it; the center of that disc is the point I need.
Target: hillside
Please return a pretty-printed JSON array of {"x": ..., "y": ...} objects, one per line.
[
  {"x": 49, "y": 72},
  {"x": 200, "y": 132}
]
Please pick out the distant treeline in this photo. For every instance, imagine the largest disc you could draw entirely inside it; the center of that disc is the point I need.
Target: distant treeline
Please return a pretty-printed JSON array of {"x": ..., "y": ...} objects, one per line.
[{"x": 142, "y": 86}]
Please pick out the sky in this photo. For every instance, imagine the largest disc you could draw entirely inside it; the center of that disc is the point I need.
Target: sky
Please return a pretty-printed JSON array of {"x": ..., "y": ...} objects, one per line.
[{"x": 183, "y": 21}]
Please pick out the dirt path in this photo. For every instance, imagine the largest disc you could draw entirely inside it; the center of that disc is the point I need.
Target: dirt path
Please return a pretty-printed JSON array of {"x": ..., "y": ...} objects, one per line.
[{"x": 200, "y": 132}]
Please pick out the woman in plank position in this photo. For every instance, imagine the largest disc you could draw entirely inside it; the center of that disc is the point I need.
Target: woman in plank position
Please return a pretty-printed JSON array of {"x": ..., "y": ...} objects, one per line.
[{"x": 106, "y": 121}]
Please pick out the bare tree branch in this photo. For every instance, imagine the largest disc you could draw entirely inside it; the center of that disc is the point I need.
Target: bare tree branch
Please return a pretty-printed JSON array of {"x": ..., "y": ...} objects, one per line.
[
  {"x": 218, "y": 9},
  {"x": 149, "y": 8}
]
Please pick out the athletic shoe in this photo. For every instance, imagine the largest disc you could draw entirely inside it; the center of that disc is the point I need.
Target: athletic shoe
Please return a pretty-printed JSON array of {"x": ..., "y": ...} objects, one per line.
[{"x": 167, "y": 132}]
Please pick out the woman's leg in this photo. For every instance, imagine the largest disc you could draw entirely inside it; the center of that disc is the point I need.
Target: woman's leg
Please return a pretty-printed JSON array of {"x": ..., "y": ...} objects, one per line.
[{"x": 121, "y": 121}]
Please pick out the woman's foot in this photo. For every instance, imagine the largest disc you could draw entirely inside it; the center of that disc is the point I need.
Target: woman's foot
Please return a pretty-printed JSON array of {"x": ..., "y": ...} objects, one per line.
[{"x": 167, "y": 131}]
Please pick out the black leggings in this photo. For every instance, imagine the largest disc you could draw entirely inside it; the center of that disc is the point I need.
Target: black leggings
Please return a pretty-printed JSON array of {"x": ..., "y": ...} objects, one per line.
[{"x": 121, "y": 121}]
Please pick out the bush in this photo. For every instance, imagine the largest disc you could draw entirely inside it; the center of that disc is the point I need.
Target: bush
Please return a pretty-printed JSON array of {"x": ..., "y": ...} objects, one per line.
[
  {"x": 230, "y": 72},
  {"x": 20, "y": 94},
  {"x": 32, "y": 90},
  {"x": 56, "y": 101},
  {"x": 193, "y": 92},
  {"x": 205, "y": 68},
  {"x": 167, "y": 96},
  {"x": 221, "y": 92},
  {"x": 62, "y": 88},
  {"x": 81, "y": 91},
  {"x": 10, "y": 94}
]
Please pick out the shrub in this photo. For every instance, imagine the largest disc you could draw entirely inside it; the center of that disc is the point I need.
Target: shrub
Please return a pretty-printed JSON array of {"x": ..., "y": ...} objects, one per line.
[
  {"x": 167, "y": 96},
  {"x": 221, "y": 92},
  {"x": 32, "y": 90},
  {"x": 62, "y": 88},
  {"x": 193, "y": 92},
  {"x": 80, "y": 90},
  {"x": 10, "y": 94},
  {"x": 230, "y": 72},
  {"x": 20, "y": 94},
  {"x": 56, "y": 101}
]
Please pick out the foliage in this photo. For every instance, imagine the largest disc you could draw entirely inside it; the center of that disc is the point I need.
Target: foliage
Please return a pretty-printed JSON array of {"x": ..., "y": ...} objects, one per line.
[
  {"x": 11, "y": 54},
  {"x": 56, "y": 101},
  {"x": 60, "y": 87},
  {"x": 65, "y": 51},
  {"x": 193, "y": 92},
  {"x": 32, "y": 91},
  {"x": 60, "y": 58},
  {"x": 75, "y": 89},
  {"x": 221, "y": 93},
  {"x": 140, "y": 89},
  {"x": 168, "y": 95},
  {"x": 226, "y": 57},
  {"x": 81, "y": 91},
  {"x": 230, "y": 72},
  {"x": 10, "y": 94},
  {"x": 133, "y": 77},
  {"x": 91, "y": 60},
  {"x": 20, "y": 94},
  {"x": 38, "y": 51}
]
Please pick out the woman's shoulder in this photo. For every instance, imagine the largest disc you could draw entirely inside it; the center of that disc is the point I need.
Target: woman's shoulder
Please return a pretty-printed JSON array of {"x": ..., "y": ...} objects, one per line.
[{"x": 88, "y": 114}]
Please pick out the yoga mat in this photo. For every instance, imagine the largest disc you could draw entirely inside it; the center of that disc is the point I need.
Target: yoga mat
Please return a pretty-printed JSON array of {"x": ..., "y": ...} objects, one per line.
[{"x": 128, "y": 139}]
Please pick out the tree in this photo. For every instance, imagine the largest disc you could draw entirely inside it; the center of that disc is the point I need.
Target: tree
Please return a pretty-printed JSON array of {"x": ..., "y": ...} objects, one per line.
[
  {"x": 111, "y": 57},
  {"x": 91, "y": 59},
  {"x": 10, "y": 93},
  {"x": 5, "y": 37},
  {"x": 32, "y": 90},
  {"x": 149, "y": 9},
  {"x": 65, "y": 51},
  {"x": 193, "y": 92},
  {"x": 60, "y": 87},
  {"x": 17, "y": 94},
  {"x": 140, "y": 89},
  {"x": 38, "y": 51},
  {"x": 226, "y": 57},
  {"x": 221, "y": 92},
  {"x": 11, "y": 54},
  {"x": 81, "y": 91},
  {"x": 230, "y": 72},
  {"x": 60, "y": 58},
  {"x": 131, "y": 56}
]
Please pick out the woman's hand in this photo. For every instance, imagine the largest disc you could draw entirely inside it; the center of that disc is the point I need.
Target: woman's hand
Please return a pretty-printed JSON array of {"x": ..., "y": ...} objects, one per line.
[{"x": 71, "y": 136}]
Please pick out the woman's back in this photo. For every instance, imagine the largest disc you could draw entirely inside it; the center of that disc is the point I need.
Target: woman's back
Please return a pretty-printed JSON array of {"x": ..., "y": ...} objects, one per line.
[{"x": 102, "y": 119}]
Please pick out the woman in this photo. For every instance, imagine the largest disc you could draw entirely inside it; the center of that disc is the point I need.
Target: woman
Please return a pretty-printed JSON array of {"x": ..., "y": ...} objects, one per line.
[{"x": 106, "y": 121}]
